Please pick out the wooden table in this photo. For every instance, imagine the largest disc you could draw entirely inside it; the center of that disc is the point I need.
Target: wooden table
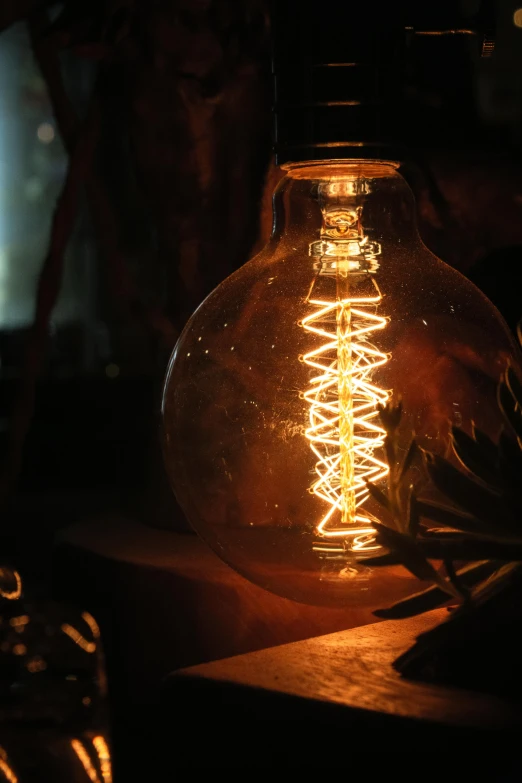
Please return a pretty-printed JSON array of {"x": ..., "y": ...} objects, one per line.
[{"x": 331, "y": 701}]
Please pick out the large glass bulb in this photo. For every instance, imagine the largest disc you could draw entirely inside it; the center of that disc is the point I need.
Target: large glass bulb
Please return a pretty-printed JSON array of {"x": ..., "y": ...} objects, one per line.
[{"x": 271, "y": 402}]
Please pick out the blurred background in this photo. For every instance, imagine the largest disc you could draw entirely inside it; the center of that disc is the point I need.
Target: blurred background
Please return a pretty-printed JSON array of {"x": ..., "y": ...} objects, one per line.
[{"x": 135, "y": 174}]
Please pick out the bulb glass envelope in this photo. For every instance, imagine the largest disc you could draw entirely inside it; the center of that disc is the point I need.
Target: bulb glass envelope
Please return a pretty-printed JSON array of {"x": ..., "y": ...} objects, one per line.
[{"x": 271, "y": 426}]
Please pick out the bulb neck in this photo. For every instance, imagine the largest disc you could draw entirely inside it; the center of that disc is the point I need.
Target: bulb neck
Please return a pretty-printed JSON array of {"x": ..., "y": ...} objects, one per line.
[{"x": 324, "y": 205}]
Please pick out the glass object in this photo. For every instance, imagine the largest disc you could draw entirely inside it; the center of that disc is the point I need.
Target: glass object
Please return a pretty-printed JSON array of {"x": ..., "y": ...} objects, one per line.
[
  {"x": 271, "y": 400},
  {"x": 53, "y": 713}
]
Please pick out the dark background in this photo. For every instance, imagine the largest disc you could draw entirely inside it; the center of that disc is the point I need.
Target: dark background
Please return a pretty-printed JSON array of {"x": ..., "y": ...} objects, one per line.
[{"x": 136, "y": 170}]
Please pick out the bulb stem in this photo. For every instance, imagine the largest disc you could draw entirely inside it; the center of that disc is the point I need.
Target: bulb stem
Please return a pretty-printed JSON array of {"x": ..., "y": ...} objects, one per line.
[{"x": 345, "y": 393}]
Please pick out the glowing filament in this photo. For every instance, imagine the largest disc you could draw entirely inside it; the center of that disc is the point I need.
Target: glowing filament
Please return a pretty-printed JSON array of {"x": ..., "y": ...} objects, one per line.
[{"x": 344, "y": 432}]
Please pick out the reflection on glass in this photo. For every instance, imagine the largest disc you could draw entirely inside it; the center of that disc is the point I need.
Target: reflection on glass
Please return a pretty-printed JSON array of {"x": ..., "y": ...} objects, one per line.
[
  {"x": 6, "y": 770},
  {"x": 78, "y": 638},
  {"x": 10, "y": 584},
  {"x": 53, "y": 721},
  {"x": 95, "y": 758}
]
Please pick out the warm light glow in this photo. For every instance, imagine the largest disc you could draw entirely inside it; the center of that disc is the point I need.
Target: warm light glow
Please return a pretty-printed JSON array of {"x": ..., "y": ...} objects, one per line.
[
  {"x": 517, "y": 17},
  {"x": 102, "y": 749},
  {"x": 79, "y": 749},
  {"x": 36, "y": 664},
  {"x": 11, "y": 595},
  {"x": 6, "y": 769},
  {"x": 77, "y": 637},
  {"x": 270, "y": 448},
  {"x": 344, "y": 432},
  {"x": 20, "y": 622},
  {"x": 93, "y": 625}
]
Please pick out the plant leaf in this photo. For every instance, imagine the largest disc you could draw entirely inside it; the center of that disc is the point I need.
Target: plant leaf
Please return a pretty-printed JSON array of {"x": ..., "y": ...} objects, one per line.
[
  {"x": 413, "y": 513},
  {"x": 484, "y": 505},
  {"x": 483, "y": 440},
  {"x": 457, "y": 547},
  {"x": 454, "y": 578},
  {"x": 390, "y": 416},
  {"x": 444, "y": 515},
  {"x": 479, "y": 461},
  {"x": 514, "y": 386},
  {"x": 411, "y": 556},
  {"x": 510, "y": 409},
  {"x": 378, "y": 495},
  {"x": 461, "y": 548},
  {"x": 467, "y": 524},
  {"x": 433, "y": 597},
  {"x": 509, "y": 457},
  {"x": 408, "y": 459}
]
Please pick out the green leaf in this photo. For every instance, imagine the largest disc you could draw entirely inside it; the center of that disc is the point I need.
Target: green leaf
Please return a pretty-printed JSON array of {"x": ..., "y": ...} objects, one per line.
[
  {"x": 480, "y": 462},
  {"x": 444, "y": 515},
  {"x": 514, "y": 386},
  {"x": 510, "y": 410},
  {"x": 390, "y": 453},
  {"x": 495, "y": 583},
  {"x": 411, "y": 556},
  {"x": 390, "y": 416},
  {"x": 433, "y": 597},
  {"x": 457, "y": 547},
  {"x": 468, "y": 525},
  {"x": 412, "y": 513},
  {"x": 454, "y": 578},
  {"x": 484, "y": 505},
  {"x": 408, "y": 459},
  {"x": 509, "y": 455},
  {"x": 484, "y": 441},
  {"x": 378, "y": 495},
  {"x": 510, "y": 469}
]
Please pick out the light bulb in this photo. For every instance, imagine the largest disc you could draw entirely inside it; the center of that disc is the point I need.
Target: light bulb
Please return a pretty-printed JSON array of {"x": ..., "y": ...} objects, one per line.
[{"x": 271, "y": 401}]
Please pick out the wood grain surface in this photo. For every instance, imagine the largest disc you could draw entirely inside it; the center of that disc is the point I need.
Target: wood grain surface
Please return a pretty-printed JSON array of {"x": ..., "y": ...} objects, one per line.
[
  {"x": 321, "y": 702},
  {"x": 353, "y": 668}
]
